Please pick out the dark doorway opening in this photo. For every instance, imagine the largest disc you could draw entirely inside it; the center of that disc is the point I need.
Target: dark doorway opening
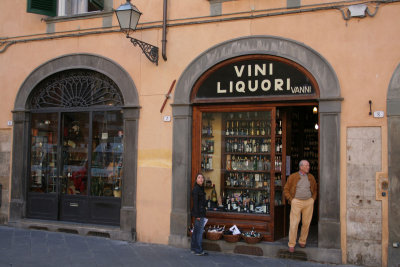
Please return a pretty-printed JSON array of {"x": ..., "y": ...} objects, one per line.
[{"x": 302, "y": 142}]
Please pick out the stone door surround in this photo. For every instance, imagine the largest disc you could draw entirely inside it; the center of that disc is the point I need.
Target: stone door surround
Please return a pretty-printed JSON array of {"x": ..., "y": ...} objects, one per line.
[
  {"x": 21, "y": 130},
  {"x": 329, "y": 106}
]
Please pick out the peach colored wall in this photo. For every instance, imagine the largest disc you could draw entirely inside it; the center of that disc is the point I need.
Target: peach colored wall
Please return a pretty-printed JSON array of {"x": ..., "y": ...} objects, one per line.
[{"x": 363, "y": 53}]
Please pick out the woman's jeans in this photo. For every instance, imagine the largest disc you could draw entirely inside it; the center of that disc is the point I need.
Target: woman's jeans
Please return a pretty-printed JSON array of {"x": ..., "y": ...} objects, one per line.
[{"x": 197, "y": 236}]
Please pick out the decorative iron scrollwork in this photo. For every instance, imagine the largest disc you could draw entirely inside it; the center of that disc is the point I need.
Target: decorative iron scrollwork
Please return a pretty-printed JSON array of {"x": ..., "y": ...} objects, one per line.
[
  {"x": 76, "y": 88},
  {"x": 149, "y": 50}
]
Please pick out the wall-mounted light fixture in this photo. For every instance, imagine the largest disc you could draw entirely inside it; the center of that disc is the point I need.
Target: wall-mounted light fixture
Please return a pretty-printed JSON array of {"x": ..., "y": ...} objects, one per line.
[
  {"x": 315, "y": 110},
  {"x": 128, "y": 17},
  {"x": 358, "y": 11}
]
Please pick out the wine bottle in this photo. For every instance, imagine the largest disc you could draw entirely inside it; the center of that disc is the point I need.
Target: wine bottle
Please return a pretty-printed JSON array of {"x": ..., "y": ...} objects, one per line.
[
  {"x": 280, "y": 127},
  {"x": 262, "y": 128},
  {"x": 235, "y": 145},
  {"x": 214, "y": 195},
  {"x": 237, "y": 128},
  {"x": 257, "y": 128},
  {"x": 260, "y": 164},
  {"x": 264, "y": 206},
  {"x": 251, "y": 206},
  {"x": 228, "y": 163}
]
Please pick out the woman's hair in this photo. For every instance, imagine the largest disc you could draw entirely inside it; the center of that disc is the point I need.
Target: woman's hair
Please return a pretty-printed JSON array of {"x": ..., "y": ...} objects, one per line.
[{"x": 199, "y": 173}]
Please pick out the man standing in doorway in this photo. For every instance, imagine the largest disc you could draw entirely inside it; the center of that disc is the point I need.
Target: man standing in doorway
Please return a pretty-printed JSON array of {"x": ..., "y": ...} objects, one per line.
[{"x": 300, "y": 191}]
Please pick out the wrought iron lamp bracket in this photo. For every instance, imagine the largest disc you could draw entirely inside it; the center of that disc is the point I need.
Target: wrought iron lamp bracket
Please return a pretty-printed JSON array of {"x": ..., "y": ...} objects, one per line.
[{"x": 150, "y": 51}]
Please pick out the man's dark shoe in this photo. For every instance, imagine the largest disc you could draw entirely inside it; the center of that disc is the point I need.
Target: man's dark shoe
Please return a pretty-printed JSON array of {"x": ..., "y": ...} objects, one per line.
[
  {"x": 291, "y": 249},
  {"x": 201, "y": 254},
  {"x": 302, "y": 245}
]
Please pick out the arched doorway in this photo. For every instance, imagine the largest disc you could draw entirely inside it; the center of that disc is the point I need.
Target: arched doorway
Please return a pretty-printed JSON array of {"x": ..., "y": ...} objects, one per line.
[
  {"x": 393, "y": 113},
  {"x": 329, "y": 110},
  {"x": 30, "y": 103},
  {"x": 76, "y": 148}
]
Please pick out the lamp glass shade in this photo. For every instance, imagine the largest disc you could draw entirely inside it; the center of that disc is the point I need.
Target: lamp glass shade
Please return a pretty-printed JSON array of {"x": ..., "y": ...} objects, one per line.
[{"x": 128, "y": 16}]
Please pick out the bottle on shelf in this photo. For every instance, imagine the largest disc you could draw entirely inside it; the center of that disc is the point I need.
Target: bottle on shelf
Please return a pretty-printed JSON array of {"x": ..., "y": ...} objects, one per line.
[
  {"x": 263, "y": 128},
  {"x": 228, "y": 204},
  {"x": 251, "y": 205},
  {"x": 264, "y": 205},
  {"x": 214, "y": 195}
]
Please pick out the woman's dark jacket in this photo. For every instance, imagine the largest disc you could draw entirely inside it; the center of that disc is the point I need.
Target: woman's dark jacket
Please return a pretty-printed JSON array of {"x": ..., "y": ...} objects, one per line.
[{"x": 199, "y": 202}]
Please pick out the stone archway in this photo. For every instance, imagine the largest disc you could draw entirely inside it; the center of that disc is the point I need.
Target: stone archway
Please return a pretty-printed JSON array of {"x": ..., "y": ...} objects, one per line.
[
  {"x": 21, "y": 133},
  {"x": 330, "y": 108},
  {"x": 393, "y": 114}
]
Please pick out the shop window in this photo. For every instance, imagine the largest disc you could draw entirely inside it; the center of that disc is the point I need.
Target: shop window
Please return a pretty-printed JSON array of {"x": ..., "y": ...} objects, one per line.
[
  {"x": 76, "y": 148},
  {"x": 241, "y": 153},
  {"x": 107, "y": 154},
  {"x": 236, "y": 161},
  {"x": 64, "y": 7}
]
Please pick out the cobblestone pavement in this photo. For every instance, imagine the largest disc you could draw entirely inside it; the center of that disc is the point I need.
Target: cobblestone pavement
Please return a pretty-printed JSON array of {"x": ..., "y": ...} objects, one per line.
[{"x": 30, "y": 248}]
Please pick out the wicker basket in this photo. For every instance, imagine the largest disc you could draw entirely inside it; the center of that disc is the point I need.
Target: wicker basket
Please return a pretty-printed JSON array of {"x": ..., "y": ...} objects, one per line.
[
  {"x": 214, "y": 235},
  {"x": 232, "y": 238},
  {"x": 252, "y": 240}
]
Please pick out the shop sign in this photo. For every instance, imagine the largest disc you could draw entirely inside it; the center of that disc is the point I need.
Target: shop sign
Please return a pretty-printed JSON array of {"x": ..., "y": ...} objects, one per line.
[{"x": 256, "y": 78}]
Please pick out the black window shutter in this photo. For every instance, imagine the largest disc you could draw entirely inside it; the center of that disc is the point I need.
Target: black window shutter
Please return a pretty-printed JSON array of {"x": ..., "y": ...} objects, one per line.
[{"x": 44, "y": 7}]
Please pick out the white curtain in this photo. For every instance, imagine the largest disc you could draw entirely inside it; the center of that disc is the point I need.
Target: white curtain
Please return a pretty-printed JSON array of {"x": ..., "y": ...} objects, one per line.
[{"x": 72, "y": 7}]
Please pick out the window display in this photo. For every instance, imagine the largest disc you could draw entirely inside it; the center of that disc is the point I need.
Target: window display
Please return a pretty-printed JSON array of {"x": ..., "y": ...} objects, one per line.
[
  {"x": 75, "y": 153},
  {"x": 43, "y": 174},
  {"x": 106, "y": 171},
  {"x": 241, "y": 154}
]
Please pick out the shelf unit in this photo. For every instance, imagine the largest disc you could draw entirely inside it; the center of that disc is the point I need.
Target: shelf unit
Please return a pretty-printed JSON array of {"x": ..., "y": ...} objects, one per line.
[{"x": 251, "y": 170}]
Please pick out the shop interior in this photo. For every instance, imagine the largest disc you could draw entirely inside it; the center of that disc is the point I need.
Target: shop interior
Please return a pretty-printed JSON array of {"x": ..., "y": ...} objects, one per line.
[{"x": 246, "y": 157}]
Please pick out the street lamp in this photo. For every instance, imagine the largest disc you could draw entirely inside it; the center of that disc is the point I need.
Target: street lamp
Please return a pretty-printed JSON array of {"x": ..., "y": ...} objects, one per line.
[{"x": 128, "y": 16}]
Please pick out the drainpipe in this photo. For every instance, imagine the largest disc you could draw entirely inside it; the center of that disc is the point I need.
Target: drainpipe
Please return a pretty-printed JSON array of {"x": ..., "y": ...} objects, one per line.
[{"x": 164, "y": 32}]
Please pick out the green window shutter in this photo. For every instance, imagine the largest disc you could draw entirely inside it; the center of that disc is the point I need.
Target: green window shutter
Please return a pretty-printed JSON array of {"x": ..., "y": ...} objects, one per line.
[
  {"x": 44, "y": 7},
  {"x": 97, "y": 3}
]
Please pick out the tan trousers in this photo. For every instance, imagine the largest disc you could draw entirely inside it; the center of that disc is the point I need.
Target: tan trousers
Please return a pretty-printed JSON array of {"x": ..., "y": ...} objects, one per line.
[{"x": 303, "y": 208}]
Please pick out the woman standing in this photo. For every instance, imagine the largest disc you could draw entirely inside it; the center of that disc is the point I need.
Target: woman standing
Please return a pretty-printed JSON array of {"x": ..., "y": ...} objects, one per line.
[{"x": 199, "y": 214}]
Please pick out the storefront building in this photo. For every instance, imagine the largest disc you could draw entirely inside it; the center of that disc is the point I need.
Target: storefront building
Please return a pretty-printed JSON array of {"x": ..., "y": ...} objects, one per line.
[{"x": 91, "y": 143}]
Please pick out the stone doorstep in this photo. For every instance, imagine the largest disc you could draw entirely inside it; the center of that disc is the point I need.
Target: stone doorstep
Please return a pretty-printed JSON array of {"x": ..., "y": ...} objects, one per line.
[
  {"x": 274, "y": 250},
  {"x": 112, "y": 232}
]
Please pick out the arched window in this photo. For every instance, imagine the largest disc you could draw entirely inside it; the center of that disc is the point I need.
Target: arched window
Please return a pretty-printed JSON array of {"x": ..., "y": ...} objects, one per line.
[{"x": 76, "y": 88}]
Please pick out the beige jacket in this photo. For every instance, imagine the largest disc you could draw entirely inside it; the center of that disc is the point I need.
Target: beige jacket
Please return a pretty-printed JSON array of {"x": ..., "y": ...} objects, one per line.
[{"x": 291, "y": 184}]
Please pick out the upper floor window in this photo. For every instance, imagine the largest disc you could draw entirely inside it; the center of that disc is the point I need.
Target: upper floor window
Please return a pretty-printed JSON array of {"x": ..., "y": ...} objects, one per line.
[
  {"x": 64, "y": 7},
  {"x": 73, "y": 7}
]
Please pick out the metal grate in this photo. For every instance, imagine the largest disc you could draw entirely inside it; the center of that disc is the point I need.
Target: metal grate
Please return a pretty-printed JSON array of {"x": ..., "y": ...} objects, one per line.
[{"x": 76, "y": 88}]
